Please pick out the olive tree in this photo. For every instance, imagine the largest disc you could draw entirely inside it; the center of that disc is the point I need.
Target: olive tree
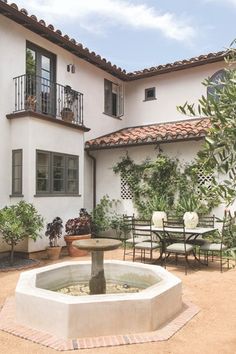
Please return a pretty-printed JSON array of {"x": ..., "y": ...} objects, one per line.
[
  {"x": 17, "y": 222},
  {"x": 219, "y": 149}
]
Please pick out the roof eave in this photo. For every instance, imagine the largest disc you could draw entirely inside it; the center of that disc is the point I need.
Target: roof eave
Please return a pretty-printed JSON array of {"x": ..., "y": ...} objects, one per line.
[
  {"x": 133, "y": 76},
  {"x": 134, "y": 144},
  {"x": 55, "y": 37}
]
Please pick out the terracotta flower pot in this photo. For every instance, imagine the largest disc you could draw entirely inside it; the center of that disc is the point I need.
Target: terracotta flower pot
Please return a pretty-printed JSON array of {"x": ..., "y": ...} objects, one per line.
[
  {"x": 54, "y": 252},
  {"x": 73, "y": 250}
]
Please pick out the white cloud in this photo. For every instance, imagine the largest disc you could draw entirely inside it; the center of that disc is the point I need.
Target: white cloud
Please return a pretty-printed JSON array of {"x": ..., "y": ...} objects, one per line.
[{"x": 99, "y": 15}]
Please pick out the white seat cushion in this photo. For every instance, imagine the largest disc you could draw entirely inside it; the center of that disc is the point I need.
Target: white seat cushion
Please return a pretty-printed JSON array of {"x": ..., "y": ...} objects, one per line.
[
  {"x": 179, "y": 248},
  {"x": 212, "y": 247},
  {"x": 138, "y": 239},
  {"x": 147, "y": 245}
]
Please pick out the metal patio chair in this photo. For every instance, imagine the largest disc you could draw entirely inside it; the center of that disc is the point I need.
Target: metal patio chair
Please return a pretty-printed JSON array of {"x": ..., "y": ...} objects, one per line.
[
  {"x": 175, "y": 242},
  {"x": 128, "y": 237},
  {"x": 221, "y": 246},
  {"x": 144, "y": 240}
]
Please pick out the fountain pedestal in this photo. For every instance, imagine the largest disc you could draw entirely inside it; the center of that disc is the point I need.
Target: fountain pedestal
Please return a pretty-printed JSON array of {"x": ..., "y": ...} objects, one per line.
[{"x": 97, "y": 283}]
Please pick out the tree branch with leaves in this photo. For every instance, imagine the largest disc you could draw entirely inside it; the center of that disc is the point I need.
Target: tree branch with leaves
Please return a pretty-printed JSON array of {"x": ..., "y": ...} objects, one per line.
[{"x": 219, "y": 149}]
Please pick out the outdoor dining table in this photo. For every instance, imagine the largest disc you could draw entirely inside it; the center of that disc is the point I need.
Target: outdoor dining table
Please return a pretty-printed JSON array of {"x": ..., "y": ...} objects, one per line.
[{"x": 191, "y": 234}]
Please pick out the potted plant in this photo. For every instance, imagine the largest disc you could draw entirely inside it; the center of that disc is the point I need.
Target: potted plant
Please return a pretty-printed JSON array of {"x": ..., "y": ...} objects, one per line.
[
  {"x": 67, "y": 114},
  {"x": 54, "y": 232},
  {"x": 77, "y": 228},
  {"x": 71, "y": 96},
  {"x": 188, "y": 206},
  {"x": 158, "y": 206},
  {"x": 18, "y": 222}
]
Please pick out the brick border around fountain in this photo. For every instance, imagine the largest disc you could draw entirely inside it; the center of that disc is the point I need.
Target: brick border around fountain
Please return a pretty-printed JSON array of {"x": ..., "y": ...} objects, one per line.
[{"x": 9, "y": 324}]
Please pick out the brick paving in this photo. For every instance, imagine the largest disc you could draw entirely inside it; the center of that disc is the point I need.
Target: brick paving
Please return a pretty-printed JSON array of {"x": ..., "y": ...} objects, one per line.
[{"x": 8, "y": 324}]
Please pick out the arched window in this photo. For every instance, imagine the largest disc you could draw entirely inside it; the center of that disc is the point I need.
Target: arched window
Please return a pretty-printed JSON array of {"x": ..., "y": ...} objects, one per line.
[{"x": 217, "y": 79}]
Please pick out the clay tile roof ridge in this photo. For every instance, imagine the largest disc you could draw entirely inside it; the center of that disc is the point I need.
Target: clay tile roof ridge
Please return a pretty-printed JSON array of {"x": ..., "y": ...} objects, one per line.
[{"x": 108, "y": 64}]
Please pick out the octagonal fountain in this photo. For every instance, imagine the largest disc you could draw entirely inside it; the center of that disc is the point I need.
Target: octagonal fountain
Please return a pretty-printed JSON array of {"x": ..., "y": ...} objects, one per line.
[{"x": 66, "y": 316}]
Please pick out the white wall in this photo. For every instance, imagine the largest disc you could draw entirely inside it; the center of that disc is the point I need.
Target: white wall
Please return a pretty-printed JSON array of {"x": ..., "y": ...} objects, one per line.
[
  {"x": 109, "y": 183},
  {"x": 31, "y": 134},
  {"x": 172, "y": 89}
]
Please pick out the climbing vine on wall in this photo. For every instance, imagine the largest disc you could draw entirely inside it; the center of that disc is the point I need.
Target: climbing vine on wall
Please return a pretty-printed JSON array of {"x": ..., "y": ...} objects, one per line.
[
  {"x": 159, "y": 184},
  {"x": 152, "y": 182}
]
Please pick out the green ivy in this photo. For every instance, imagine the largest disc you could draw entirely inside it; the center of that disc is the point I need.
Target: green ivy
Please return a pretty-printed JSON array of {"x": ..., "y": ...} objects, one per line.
[{"x": 161, "y": 184}]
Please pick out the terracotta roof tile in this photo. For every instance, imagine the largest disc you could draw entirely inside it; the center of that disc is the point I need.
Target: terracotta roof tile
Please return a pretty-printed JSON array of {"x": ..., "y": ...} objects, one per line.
[
  {"x": 151, "y": 134},
  {"x": 31, "y": 22}
]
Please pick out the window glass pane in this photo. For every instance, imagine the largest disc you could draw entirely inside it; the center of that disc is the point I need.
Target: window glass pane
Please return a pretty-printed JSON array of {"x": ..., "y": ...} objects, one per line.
[
  {"x": 72, "y": 187},
  {"x": 42, "y": 172},
  {"x": 58, "y": 185},
  {"x": 45, "y": 63},
  {"x": 216, "y": 80},
  {"x": 46, "y": 76},
  {"x": 108, "y": 96},
  {"x": 114, "y": 104},
  {"x": 72, "y": 162},
  {"x": 30, "y": 62},
  {"x": 72, "y": 175},
  {"x": 17, "y": 172},
  {"x": 42, "y": 185},
  {"x": 58, "y": 173},
  {"x": 17, "y": 186},
  {"x": 17, "y": 158}
]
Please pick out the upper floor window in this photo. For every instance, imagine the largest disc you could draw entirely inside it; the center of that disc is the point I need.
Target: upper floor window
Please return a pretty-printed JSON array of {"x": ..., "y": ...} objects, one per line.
[
  {"x": 113, "y": 99},
  {"x": 56, "y": 173},
  {"x": 150, "y": 94},
  {"x": 40, "y": 78},
  {"x": 17, "y": 172},
  {"x": 217, "y": 80}
]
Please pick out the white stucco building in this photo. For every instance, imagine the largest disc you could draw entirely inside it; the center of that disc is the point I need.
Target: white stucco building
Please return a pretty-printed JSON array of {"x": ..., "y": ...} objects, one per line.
[{"x": 57, "y": 95}]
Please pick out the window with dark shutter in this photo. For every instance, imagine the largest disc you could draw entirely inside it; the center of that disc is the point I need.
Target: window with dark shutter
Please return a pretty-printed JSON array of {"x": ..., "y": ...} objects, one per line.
[
  {"x": 113, "y": 99},
  {"x": 17, "y": 161}
]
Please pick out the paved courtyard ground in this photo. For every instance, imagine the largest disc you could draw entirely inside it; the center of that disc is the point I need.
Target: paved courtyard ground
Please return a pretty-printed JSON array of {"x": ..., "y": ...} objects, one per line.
[{"x": 211, "y": 331}]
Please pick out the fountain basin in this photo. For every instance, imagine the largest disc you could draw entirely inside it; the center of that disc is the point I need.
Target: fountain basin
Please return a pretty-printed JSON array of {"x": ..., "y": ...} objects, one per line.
[{"x": 65, "y": 316}]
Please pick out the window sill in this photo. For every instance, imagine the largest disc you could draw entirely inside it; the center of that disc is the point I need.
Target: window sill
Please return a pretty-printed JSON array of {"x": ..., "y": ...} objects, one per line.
[
  {"x": 49, "y": 195},
  {"x": 16, "y": 195},
  {"x": 150, "y": 99},
  {"x": 110, "y": 115}
]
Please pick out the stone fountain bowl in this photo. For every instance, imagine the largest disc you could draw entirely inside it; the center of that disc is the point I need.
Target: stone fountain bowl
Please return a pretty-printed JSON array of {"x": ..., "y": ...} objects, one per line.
[{"x": 66, "y": 316}]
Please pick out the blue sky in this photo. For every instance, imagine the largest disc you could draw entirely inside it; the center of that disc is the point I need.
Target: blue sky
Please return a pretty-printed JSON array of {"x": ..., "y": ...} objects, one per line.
[{"x": 137, "y": 34}]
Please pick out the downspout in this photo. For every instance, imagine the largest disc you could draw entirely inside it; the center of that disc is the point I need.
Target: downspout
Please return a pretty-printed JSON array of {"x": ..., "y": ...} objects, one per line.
[{"x": 94, "y": 177}]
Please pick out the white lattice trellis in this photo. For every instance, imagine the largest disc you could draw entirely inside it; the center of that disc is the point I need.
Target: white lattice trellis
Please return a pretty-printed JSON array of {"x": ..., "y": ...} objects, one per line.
[
  {"x": 204, "y": 179},
  {"x": 125, "y": 191}
]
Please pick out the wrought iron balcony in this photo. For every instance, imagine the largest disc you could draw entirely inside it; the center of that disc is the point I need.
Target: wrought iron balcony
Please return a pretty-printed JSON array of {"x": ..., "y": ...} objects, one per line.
[{"x": 35, "y": 93}]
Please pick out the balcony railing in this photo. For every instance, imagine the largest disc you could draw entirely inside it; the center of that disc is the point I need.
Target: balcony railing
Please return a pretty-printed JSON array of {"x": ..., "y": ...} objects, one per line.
[{"x": 35, "y": 93}]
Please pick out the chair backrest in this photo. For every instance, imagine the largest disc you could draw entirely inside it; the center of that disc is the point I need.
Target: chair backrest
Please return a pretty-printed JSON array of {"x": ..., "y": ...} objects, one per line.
[
  {"x": 142, "y": 228},
  {"x": 128, "y": 225},
  {"x": 174, "y": 219},
  {"x": 206, "y": 221},
  {"x": 227, "y": 231},
  {"x": 170, "y": 232}
]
